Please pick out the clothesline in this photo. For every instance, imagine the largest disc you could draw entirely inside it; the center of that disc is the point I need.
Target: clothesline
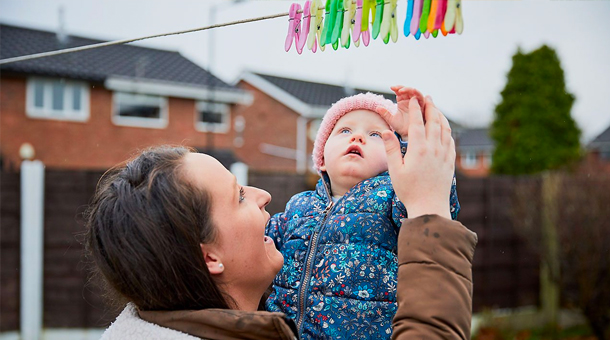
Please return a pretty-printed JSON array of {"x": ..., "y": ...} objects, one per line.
[{"x": 125, "y": 41}]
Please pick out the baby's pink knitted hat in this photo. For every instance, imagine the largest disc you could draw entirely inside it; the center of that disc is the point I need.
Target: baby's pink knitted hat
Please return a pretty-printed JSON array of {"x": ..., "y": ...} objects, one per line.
[{"x": 363, "y": 101}]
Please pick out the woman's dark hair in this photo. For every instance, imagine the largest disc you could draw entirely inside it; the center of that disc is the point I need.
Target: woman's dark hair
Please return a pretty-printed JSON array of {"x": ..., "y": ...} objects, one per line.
[{"x": 143, "y": 231}]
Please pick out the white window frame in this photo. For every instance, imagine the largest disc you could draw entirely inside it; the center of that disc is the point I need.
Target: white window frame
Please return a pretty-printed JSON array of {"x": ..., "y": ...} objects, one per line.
[
  {"x": 47, "y": 111},
  {"x": 153, "y": 123},
  {"x": 223, "y": 109},
  {"x": 469, "y": 160},
  {"x": 488, "y": 159}
]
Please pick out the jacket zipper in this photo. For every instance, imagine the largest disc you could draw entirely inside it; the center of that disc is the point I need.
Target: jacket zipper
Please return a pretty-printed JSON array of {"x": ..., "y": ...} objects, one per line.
[{"x": 312, "y": 250}]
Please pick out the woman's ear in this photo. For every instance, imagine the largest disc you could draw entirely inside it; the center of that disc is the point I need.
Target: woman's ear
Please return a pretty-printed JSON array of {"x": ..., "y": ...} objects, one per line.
[{"x": 212, "y": 260}]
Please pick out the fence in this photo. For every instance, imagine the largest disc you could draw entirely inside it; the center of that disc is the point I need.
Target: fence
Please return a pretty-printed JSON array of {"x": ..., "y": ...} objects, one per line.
[{"x": 505, "y": 271}]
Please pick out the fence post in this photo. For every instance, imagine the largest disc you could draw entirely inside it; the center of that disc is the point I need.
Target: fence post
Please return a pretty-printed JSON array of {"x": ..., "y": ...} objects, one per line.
[
  {"x": 549, "y": 268},
  {"x": 32, "y": 217}
]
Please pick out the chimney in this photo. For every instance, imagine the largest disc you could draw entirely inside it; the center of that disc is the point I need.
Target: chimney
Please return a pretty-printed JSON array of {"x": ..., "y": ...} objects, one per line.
[{"x": 62, "y": 37}]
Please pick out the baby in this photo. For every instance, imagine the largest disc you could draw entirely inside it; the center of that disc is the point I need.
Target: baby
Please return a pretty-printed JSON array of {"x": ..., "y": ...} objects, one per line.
[{"x": 339, "y": 241}]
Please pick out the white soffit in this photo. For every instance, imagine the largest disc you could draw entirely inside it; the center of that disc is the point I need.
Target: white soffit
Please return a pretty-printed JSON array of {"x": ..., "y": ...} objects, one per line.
[{"x": 178, "y": 90}]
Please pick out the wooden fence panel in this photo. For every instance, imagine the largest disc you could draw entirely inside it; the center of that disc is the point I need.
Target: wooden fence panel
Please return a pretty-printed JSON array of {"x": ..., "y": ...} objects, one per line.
[{"x": 10, "y": 215}]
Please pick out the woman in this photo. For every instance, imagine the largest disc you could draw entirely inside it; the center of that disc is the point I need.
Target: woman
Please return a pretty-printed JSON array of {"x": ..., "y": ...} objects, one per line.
[{"x": 183, "y": 243}]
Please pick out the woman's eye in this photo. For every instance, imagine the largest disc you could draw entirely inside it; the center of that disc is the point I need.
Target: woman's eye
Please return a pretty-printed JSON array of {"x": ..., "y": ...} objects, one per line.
[
  {"x": 242, "y": 194},
  {"x": 375, "y": 134}
]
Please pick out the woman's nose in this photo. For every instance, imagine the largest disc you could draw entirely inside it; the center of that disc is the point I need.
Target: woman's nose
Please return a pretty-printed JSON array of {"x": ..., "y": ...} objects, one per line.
[{"x": 262, "y": 197}]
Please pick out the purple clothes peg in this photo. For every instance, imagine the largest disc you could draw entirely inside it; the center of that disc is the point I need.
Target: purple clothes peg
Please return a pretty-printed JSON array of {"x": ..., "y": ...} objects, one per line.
[
  {"x": 294, "y": 25},
  {"x": 301, "y": 35}
]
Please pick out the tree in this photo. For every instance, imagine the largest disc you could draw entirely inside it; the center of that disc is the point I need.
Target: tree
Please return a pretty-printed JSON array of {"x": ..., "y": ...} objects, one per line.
[{"x": 533, "y": 128}]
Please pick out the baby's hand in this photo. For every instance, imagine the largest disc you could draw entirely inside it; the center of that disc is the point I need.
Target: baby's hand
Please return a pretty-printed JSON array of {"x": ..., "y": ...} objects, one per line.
[{"x": 400, "y": 121}]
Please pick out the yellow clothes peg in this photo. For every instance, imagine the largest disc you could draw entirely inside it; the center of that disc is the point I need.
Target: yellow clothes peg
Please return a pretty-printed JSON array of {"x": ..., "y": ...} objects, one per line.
[
  {"x": 449, "y": 21},
  {"x": 459, "y": 22},
  {"x": 348, "y": 22},
  {"x": 386, "y": 19},
  {"x": 315, "y": 25},
  {"x": 393, "y": 23}
]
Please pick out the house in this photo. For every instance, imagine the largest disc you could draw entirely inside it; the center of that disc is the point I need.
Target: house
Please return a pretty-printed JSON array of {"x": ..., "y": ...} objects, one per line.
[
  {"x": 91, "y": 109},
  {"x": 598, "y": 150},
  {"x": 474, "y": 149},
  {"x": 281, "y": 124}
]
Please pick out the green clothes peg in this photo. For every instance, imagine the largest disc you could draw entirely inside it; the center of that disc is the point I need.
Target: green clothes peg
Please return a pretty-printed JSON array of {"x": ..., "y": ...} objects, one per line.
[
  {"x": 425, "y": 12},
  {"x": 326, "y": 24},
  {"x": 336, "y": 45},
  {"x": 331, "y": 22},
  {"x": 378, "y": 18},
  {"x": 368, "y": 7},
  {"x": 434, "y": 33},
  {"x": 338, "y": 21},
  {"x": 387, "y": 38}
]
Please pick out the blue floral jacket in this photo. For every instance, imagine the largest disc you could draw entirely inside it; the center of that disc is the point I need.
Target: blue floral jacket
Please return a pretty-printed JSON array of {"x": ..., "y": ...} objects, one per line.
[{"x": 340, "y": 264}]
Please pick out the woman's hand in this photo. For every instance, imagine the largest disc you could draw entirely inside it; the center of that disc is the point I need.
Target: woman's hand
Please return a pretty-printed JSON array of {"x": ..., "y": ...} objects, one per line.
[
  {"x": 422, "y": 179},
  {"x": 400, "y": 121}
]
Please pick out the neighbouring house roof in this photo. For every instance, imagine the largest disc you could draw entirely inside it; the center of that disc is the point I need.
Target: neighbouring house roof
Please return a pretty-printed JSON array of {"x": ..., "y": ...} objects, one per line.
[
  {"x": 475, "y": 140},
  {"x": 309, "y": 99},
  {"x": 601, "y": 141},
  {"x": 127, "y": 67}
]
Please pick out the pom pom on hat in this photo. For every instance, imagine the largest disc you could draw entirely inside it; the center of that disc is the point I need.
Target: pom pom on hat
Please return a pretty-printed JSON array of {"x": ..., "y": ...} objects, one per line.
[{"x": 363, "y": 101}]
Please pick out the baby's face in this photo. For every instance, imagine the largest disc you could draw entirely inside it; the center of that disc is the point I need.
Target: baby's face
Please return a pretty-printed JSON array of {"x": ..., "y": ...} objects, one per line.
[{"x": 354, "y": 150}]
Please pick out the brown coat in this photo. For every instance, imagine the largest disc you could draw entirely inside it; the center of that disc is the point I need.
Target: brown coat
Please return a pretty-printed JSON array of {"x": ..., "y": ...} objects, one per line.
[{"x": 434, "y": 293}]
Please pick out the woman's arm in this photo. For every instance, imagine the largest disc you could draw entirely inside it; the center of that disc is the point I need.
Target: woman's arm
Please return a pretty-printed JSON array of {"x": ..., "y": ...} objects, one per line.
[{"x": 434, "y": 253}]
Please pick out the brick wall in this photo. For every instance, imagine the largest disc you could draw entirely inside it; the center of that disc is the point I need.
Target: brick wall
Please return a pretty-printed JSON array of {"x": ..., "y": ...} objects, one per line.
[
  {"x": 95, "y": 144},
  {"x": 267, "y": 121}
]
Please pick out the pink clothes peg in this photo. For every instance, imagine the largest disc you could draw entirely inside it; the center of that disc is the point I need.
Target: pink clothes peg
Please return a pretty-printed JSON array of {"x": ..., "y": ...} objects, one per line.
[
  {"x": 440, "y": 14},
  {"x": 426, "y": 34},
  {"x": 417, "y": 6},
  {"x": 357, "y": 22},
  {"x": 294, "y": 24},
  {"x": 304, "y": 31}
]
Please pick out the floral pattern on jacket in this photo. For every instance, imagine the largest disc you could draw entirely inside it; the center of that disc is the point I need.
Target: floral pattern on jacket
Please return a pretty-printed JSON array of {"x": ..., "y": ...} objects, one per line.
[{"x": 340, "y": 264}]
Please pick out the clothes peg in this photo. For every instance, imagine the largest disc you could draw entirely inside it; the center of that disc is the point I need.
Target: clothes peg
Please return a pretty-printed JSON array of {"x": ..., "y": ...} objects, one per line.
[
  {"x": 423, "y": 21},
  {"x": 338, "y": 28},
  {"x": 426, "y": 34},
  {"x": 386, "y": 22},
  {"x": 378, "y": 18},
  {"x": 294, "y": 24},
  {"x": 407, "y": 26},
  {"x": 434, "y": 33},
  {"x": 440, "y": 14},
  {"x": 459, "y": 22},
  {"x": 417, "y": 7},
  {"x": 327, "y": 22},
  {"x": 304, "y": 31},
  {"x": 331, "y": 22},
  {"x": 368, "y": 14},
  {"x": 393, "y": 19},
  {"x": 315, "y": 25},
  {"x": 432, "y": 15},
  {"x": 450, "y": 15},
  {"x": 357, "y": 23},
  {"x": 348, "y": 22}
]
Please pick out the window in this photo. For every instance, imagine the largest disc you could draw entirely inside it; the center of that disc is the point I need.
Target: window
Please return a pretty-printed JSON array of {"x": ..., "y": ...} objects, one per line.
[
  {"x": 604, "y": 154},
  {"x": 58, "y": 99},
  {"x": 212, "y": 117},
  {"x": 139, "y": 110},
  {"x": 469, "y": 160}
]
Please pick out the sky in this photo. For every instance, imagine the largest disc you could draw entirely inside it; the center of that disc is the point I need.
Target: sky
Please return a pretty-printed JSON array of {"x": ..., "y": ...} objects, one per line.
[{"x": 463, "y": 73}]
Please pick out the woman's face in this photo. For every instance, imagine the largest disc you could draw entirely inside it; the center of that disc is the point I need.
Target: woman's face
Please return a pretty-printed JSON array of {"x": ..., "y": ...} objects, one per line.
[{"x": 249, "y": 258}]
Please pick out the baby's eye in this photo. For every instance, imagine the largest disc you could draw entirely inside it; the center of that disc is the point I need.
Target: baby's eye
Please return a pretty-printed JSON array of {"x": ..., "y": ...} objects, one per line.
[
  {"x": 345, "y": 130},
  {"x": 242, "y": 194},
  {"x": 375, "y": 134}
]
